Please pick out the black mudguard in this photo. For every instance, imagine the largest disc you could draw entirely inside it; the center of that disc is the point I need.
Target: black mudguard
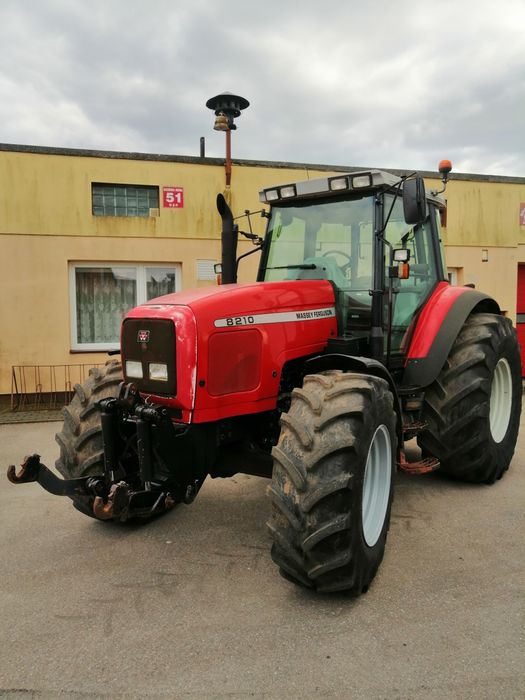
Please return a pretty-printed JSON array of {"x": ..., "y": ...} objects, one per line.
[{"x": 364, "y": 365}]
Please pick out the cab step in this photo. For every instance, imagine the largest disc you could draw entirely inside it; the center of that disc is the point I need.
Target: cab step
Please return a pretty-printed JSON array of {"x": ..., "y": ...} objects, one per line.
[
  {"x": 423, "y": 466},
  {"x": 415, "y": 427}
]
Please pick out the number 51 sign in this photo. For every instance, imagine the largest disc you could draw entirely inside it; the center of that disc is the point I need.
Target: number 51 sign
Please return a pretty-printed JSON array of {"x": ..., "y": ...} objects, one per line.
[{"x": 173, "y": 197}]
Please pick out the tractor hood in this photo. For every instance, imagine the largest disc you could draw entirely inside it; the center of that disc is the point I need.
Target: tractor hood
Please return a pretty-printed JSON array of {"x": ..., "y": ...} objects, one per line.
[
  {"x": 244, "y": 298},
  {"x": 230, "y": 342}
]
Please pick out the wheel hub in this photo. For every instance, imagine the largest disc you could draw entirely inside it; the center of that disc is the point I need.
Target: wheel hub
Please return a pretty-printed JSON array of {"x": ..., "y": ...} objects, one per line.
[
  {"x": 500, "y": 400},
  {"x": 376, "y": 485}
]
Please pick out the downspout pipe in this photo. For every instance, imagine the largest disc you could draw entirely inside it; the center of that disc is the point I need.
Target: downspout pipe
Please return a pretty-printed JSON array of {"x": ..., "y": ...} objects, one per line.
[{"x": 229, "y": 237}]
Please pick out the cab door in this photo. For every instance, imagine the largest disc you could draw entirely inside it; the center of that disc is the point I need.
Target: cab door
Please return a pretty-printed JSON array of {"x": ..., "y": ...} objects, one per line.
[{"x": 409, "y": 295}]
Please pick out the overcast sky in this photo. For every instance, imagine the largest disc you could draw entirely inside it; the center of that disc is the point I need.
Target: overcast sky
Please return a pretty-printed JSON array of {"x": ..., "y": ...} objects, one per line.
[{"x": 384, "y": 84}]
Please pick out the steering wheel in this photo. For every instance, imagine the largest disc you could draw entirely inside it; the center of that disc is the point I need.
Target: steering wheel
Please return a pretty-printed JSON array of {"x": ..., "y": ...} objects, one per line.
[{"x": 345, "y": 267}]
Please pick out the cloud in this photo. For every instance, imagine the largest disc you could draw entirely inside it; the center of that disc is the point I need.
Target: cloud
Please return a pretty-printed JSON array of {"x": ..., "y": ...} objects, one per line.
[{"x": 382, "y": 84}]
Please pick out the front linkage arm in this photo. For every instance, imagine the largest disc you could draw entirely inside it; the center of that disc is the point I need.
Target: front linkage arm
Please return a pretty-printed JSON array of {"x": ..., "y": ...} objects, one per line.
[
  {"x": 32, "y": 469},
  {"x": 114, "y": 502}
]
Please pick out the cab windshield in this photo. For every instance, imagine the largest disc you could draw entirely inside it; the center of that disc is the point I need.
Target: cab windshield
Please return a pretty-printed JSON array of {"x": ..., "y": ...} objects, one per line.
[
  {"x": 334, "y": 240},
  {"x": 323, "y": 240}
]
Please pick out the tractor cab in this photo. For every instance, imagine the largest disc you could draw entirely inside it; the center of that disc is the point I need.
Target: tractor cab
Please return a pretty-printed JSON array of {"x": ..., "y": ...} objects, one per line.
[{"x": 375, "y": 237}]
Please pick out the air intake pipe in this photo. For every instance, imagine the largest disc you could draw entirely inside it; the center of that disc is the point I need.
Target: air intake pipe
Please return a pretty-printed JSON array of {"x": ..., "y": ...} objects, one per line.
[{"x": 229, "y": 237}]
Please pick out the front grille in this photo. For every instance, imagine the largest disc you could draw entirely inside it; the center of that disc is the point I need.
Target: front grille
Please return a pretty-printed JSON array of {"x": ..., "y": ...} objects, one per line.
[{"x": 148, "y": 340}]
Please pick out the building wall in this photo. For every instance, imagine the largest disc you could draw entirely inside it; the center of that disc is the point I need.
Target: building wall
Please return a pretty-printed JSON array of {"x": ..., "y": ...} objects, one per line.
[
  {"x": 483, "y": 219},
  {"x": 46, "y": 222},
  {"x": 49, "y": 194},
  {"x": 497, "y": 277},
  {"x": 484, "y": 213}
]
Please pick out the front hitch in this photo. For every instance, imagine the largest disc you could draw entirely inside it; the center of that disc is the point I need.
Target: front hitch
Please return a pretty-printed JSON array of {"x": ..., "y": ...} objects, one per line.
[
  {"x": 116, "y": 502},
  {"x": 143, "y": 490}
]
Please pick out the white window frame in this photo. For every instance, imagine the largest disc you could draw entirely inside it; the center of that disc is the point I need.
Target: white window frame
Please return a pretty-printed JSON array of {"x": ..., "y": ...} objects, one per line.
[
  {"x": 139, "y": 267},
  {"x": 452, "y": 274}
]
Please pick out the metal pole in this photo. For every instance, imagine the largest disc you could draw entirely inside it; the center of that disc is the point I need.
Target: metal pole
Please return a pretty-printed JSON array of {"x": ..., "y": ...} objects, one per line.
[{"x": 228, "y": 164}]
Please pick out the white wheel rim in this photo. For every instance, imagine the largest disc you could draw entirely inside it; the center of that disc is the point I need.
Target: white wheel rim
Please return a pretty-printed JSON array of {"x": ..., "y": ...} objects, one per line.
[
  {"x": 376, "y": 485},
  {"x": 500, "y": 400}
]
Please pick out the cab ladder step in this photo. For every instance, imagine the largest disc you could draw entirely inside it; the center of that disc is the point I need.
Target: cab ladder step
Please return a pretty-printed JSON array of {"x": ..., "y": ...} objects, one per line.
[{"x": 423, "y": 466}]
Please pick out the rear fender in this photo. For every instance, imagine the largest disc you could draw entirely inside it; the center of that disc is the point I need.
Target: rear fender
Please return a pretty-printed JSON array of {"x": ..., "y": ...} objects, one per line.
[
  {"x": 363, "y": 365},
  {"x": 438, "y": 327}
]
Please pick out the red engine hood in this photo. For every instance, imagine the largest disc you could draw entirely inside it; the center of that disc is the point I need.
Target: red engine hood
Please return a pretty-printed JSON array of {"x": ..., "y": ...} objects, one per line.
[
  {"x": 233, "y": 340},
  {"x": 257, "y": 297}
]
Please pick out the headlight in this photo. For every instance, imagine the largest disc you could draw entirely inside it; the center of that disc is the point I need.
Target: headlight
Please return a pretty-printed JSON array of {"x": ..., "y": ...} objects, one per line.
[
  {"x": 134, "y": 369},
  {"x": 158, "y": 371},
  {"x": 271, "y": 195},
  {"x": 338, "y": 183},
  {"x": 362, "y": 181},
  {"x": 288, "y": 191}
]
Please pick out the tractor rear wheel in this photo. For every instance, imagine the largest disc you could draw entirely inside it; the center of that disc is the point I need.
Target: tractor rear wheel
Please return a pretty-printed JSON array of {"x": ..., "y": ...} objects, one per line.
[
  {"x": 473, "y": 409},
  {"x": 80, "y": 440},
  {"x": 332, "y": 482}
]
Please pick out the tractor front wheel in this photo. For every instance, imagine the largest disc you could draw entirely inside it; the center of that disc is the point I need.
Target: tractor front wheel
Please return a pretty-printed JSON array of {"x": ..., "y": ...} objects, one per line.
[
  {"x": 332, "y": 482},
  {"x": 80, "y": 440},
  {"x": 473, "y": 409}
]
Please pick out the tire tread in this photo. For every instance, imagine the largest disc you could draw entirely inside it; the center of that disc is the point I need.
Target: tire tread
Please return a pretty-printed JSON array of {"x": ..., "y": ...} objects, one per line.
[
  {"x": 318, "y": 471},
  {"x": 457, "y": 404}
]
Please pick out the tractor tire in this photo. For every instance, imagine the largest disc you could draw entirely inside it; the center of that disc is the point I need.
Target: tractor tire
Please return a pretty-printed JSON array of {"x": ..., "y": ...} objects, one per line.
[
  {"x": 473, "y": 409},
  {"x": 332, "y": 482},
  {"x": 80, "y": 440}
]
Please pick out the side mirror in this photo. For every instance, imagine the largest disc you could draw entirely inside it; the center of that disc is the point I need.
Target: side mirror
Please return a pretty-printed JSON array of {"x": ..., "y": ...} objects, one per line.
[{"x": 414, "y": 200}]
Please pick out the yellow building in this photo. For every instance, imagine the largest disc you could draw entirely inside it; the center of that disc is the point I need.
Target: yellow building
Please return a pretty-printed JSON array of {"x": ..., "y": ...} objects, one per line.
[{"x": 84, "y": 235}]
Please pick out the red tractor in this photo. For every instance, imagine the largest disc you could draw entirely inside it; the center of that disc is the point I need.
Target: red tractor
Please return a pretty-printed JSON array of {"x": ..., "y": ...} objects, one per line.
[{"x": 350, "y": 343}]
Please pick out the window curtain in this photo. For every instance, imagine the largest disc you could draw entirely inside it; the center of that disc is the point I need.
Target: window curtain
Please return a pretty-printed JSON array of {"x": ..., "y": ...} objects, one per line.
[
  {"x": 159, "y": 281},
  {"x": 103, "y": 296}
]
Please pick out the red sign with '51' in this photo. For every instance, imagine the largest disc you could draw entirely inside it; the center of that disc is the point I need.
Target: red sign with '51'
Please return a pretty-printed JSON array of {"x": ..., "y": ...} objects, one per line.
[{"x": 173, "y": 197}]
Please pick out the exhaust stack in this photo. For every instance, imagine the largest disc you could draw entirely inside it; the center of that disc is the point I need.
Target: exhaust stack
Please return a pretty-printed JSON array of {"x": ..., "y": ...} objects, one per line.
[{"x": 229, "y": 237}]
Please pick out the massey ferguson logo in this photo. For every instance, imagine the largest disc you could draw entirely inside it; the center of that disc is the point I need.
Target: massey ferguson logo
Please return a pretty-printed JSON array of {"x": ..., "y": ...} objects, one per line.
[{"x": 143, "y": 337}]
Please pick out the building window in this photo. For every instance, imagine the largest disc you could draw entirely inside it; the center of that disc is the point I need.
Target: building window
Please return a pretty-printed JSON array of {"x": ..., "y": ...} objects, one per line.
[
  {"x": 206, "y": 270},
  {"x": 124, "y": 200},
  {"x": 101, "y": 293},
  {"x": 455, "y": 276}
]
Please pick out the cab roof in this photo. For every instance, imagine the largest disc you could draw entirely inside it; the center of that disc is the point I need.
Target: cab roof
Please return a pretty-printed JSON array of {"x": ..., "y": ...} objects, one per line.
[{"x": 336, "y": 185}]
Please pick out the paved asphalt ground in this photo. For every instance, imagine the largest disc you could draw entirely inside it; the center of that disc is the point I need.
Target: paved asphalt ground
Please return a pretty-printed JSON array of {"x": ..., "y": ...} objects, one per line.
[{"x": 191, "y": 606}]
